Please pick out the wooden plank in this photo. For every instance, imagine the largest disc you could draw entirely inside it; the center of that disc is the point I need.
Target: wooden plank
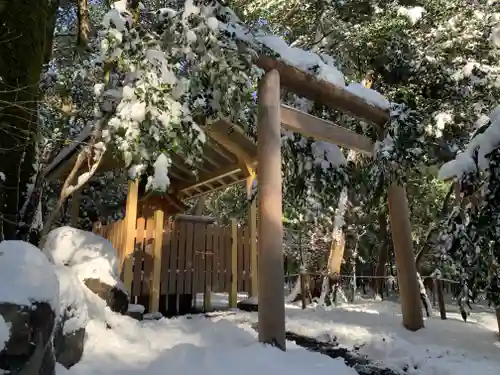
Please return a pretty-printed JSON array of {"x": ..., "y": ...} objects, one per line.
[
  {"x": 253, "y": 248},
  {"x": 174, "y": 248},
  {"x": 129, "y": 235},
  {"x": 181, "y": 264},
  {"x": 322, "y": 130},
  {"x": 188, "y": 279},
  {"x": 233, "y": 290},
  {"x": 227, "y": 256},
  {"x": 246, "y": 261},
  {"x": 147, "y": 263},
  {"x": 240, "y": 259},
  {"x": 209, "y": 255},
  {"x": 120, "y": 245},
  {"x": 207, "y": 286},
  {"x": 159, "y": 221},
  {"x": 95, "y": 227},
  {"x": 167, "y": 249},
  {"x": 198, "y": 245},
  {"x": 215, "y": 261},
  {"x": 222, "y": 259},
  {"x": 138, "y": 256},
  {"x": 323, "y": 92}
]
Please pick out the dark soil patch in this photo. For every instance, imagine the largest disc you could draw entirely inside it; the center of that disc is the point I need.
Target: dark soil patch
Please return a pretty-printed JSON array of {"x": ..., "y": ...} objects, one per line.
[{"x": 358, "y": 362}]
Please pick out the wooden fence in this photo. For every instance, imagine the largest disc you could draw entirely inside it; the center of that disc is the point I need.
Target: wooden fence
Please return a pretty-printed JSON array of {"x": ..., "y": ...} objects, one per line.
[{"x": 193, "y": 258}]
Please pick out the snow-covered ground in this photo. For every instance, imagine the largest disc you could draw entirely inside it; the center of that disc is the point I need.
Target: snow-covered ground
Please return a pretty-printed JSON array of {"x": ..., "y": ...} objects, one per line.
[
  {"x": 449, "y": 347},
  {"x": 184, "y": 346},
  {"x": 227, "y": 343}
]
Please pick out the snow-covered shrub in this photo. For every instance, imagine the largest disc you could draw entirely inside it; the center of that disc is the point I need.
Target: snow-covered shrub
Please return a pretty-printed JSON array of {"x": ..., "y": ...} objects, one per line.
[{"x": 472, "y": 237}]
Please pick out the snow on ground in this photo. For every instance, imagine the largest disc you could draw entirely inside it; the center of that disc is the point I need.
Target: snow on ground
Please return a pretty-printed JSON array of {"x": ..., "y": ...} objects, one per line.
[
  {"x": 449, "y": 347},
  {"x": 187, "y": 346}
]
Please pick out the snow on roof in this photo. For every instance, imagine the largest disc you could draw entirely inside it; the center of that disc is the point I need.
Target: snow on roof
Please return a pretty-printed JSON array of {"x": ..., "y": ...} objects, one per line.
[
  {"x": 27, "y": 275},
  {"x": 482, "y": 143}
]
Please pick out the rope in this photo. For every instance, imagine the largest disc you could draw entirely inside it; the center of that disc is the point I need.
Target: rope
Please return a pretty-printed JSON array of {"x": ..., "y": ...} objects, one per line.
[{"x": 371, "y": 277}]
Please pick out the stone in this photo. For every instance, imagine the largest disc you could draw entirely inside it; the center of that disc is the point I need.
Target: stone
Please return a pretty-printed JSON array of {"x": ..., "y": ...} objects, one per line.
[
  {"x": 29, "y": 350},
  {"x": 115, "y": 298},
  {"x": 68, "y": 346}
]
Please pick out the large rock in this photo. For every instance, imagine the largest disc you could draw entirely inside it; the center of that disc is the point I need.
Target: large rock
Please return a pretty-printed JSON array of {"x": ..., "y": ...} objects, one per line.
[
  {"x": 92, "y": 259},
  {"x": 115, "y": 297},
  {"x": 69, "y": 336},
  {"x": 29, "y": 299}
]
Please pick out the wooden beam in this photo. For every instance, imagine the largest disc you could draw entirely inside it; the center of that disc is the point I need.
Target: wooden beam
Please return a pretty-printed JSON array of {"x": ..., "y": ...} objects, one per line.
[
  {"x": 311, "y": 126},
  {"x": 270, "y": 225},
  {"x": 323, "y": 92},
  {"x": 207, "y": 178}
]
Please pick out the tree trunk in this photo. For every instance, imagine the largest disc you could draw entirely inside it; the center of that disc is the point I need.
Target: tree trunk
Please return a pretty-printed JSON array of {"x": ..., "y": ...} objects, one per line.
[
  {"x": 383, "y": 254},
  {"x": 23, "y": 26},
  {"x": 83, "y": 35}
]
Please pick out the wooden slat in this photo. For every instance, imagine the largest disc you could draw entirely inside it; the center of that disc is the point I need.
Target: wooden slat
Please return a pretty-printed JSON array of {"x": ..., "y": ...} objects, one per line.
[
  {"x": 233, "y": 290},
  {"x": 246, "y": 260},
  {"x": 215, "y": 261},
  {"x": 174, "y": 248},
  {"x": 209, "y": 255},
  {"x": 322, "y": 130},
  {"x": 181, "y": 263},
  {"x": 147, "y": 263},
  {"x": 188, "y": 278},
  {"x": 253, "y": 248},
  {"x": 138, "y": 256},
  {"x": 227, "y": 258},
  {"x": 167, "y": 249},
  {"x": 120, "y": 245},
  {"x": 159, "y": 222},
  {"x": 199, "y": 249},
  {"x": 240, "y": 260},
  {"x": 222, "y": 259}
]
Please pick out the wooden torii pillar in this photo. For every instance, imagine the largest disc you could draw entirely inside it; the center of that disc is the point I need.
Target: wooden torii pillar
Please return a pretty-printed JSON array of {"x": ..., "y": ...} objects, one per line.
[{"x": 271, "y": 114}]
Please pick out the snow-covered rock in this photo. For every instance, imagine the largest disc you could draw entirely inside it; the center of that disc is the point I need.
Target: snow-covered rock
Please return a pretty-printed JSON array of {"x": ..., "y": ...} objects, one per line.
[
  {"x": 92, "y": 259},
  {"x": 29, "y": 302},
  {"x": 28, "y": 275},
  {"x": 88, "y": 255}
]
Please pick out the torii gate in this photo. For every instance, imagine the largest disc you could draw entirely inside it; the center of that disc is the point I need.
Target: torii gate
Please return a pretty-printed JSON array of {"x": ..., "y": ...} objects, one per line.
[{"x": 271, "y": 116}]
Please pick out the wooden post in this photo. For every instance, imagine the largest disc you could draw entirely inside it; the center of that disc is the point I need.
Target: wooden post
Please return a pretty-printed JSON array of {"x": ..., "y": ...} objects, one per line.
[
  {"x": 254, "y": 292},
  {"x": 75, "y": 208},
  {"x": 270, "y": 225},
  {"x": 233, "y": 285},
  {"x": 154, "y": 302},
  {"x": 405, "y": 260},
  {"x": 440, "y": 294},
  {"x": 130, "y": 232}
]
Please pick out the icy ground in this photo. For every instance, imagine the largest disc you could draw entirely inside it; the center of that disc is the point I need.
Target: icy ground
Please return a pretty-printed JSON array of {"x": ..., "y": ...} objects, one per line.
[{"x": 227, "y": 344}]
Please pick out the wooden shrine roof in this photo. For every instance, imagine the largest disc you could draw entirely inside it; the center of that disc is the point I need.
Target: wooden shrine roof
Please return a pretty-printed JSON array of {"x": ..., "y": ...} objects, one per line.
[{"x": 226, "y": 154}]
